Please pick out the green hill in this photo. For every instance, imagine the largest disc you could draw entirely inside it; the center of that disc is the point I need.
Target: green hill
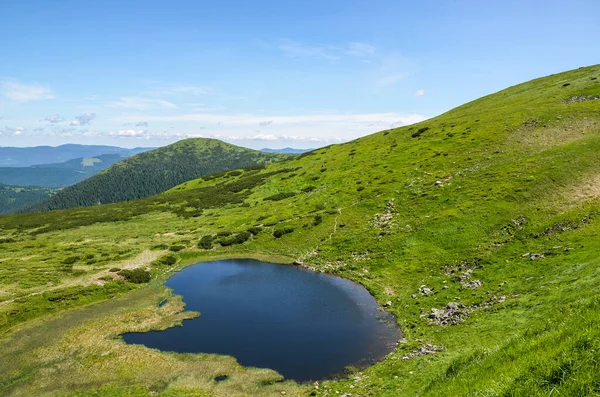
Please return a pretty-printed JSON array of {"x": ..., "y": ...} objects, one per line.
[
  {"x": 58, "y": 174},
  {"x": 478, "y": 229},
  {"x": 155, "y": 171},
  {"x": 13, "y": 198}
]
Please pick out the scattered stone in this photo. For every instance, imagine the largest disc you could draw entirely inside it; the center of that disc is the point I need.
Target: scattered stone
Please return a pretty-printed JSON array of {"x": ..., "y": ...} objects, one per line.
[
  {"x": 581, "y": 98},
  {"x": 385, "y": 220},
  {"x": 387, "y": 304},
  {"x": 502, "y": 284},
  {"x": 413, "y": 296},
  {"x": 298, "y": 263},
  {"x": 425, "y": 291},
  {"x": 454, "y": 313},
  {"x": 445, "y": 287},
  {"x": 473, "y": 284},
  {"x": 535, "y": 257},
  {"x": 441, "y": 182},
  {"x": 424, "y": 350}
]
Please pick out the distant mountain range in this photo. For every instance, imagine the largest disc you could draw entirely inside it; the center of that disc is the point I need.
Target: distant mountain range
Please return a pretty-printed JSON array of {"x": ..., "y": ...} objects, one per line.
[
  {"x": 286, "y": 150},
  {"x": 156, "y": 171},
  {"x": 58, "y": 174},
  {"x": 25, "y": 157}
]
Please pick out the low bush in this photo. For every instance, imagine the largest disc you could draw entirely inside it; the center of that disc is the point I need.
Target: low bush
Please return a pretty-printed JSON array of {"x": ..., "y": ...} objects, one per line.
[
  {"x": 136, "y": 276},
  {"x": 238, "y": 238},
  {"x": 206, "y": 242},
  {"x": 159, "y": 247},
  {"x": 255, "y": 230},
  {"x": 167, "y": 260},
  {"x": 70, "y": 260},
  {"x": 280, "y": 232},
  {"x": 419, "y": 132},
  {"x": 279, "y": 196},
  {"x": 318, "y": 219},
  {"x": 176, "y": 248}
]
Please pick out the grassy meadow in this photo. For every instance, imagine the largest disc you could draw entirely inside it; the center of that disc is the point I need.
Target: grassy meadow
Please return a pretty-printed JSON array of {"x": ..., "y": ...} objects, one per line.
[{"x": 488, "y": 214}]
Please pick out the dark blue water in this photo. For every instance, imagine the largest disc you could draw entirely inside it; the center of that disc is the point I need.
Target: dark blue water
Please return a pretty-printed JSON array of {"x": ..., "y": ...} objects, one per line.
[{"x": 305, "y": 325}]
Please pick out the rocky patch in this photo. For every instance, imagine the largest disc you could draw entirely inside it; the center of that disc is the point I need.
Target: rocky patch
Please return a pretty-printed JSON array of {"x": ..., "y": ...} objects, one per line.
[{"x": 424, "y": 350}]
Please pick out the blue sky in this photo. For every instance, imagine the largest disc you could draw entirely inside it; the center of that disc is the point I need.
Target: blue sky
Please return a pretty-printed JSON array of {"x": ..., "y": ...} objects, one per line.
[{"x": 268, "y": 73}]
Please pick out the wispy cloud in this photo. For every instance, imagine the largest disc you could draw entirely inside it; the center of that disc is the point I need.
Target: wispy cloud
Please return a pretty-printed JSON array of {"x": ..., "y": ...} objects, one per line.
[
  {"x": 20, "y": 92},
  {"x": 249, "y": 119},
  {"x": 14, "y": 130},
  {"x": 420, "y": 92},
  {"x": 141, "y": 103},
  {"x": 297, "y": 50},
  {"x": 265, "y": 123},
  {"x": 83, "y": 119},
  {"x": 54, "y": 119}
]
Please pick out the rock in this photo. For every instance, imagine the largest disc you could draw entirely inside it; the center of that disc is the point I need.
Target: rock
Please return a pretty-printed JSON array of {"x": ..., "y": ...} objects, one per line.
[
  {"x": 387, "y": 304},
  {"x": 473, "y": 284},
  {"x": 502, "y": 284},
  {"x": 534, "y": 257},
  {"x": 298, "y": 263},
  {"x": 445, "y": 287},
  {"x": 413, "y": 296}
]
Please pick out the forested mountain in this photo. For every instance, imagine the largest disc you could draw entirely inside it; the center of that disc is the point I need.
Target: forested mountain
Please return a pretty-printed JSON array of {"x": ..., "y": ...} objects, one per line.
[
  {"x": 155, "y": 171},
  {"x": 27, "y": 156},
  {"x": 58, "y": 174},
  {"x": 13, "y": 198}
]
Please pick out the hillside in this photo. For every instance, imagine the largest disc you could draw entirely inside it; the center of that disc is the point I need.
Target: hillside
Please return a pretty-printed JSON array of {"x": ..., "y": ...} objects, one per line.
[
  {"x": 28, "y": 156},
  {"x": 478, "y": 229},
  {"x": 58, "y": 174},
  {"x": 13, "y": 198},
  {"x": 155, "y": 171}
]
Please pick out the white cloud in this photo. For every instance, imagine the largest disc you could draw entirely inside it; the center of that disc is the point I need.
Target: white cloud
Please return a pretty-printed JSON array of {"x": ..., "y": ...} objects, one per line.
[
  {"x": 142, "y": 124},
  {"x": 129, "y": 133},
  {"x": 54, "y": 119},
  {"x": 380, "y": 119},
  {"x": 24, "y": 92},
  {"x": 265, "y": 123},
  {"x": 14, "y": 130},
  {"x": 83, "y": 119},
  {"x": 420, "y": 92},
  {"x": 141, "y": 103}
]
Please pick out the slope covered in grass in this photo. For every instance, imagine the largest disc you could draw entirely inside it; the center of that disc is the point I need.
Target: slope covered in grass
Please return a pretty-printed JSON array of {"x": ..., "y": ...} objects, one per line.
[
  {"x": 157, "y": 170},
  {"x": 479, "y": 227}
]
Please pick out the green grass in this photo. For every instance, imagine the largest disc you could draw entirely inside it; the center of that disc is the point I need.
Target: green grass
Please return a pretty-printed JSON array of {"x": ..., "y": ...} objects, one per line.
[{"x": 467, "y": 196}]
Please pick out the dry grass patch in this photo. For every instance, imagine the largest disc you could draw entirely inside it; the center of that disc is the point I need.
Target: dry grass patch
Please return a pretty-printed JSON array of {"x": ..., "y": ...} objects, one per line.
[{"x": 539, "y": 138}]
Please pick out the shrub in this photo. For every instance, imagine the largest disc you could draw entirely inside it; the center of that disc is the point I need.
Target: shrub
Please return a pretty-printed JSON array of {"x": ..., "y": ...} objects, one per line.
[
  {"x": 320, "y": 207},
  {"x": 234, "y": 173},
  {"x": 318, "y": 219},
  {"x": 360, "y": 188},
  {"x": 238, "y": 238},
  {"x": 279, "y": 196},
  {"x": 255, "y": 230},
  {"x": 136, "y": 276},
  {"x": 167, "y": 260},
  {"x": 323, "y": 169},
  {"x": 309, "y": 189},
  {"x": 419, "y": 132},
  {"x": 70, "y": 260},
  {"x": 115, "y": 269},
  {"x": 206, "y": 242},
  {"x": 159, "y": 247},
  {"x": 176, "y": 248},
  {"x": 280, "y": 232},
  {"x": 224, "y": 233}
]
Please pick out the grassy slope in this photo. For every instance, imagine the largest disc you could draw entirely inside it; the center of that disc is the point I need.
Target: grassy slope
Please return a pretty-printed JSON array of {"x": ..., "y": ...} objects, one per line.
[
  {"x": 155, "y": 171},
  {"x": 518, "y": 175}
]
